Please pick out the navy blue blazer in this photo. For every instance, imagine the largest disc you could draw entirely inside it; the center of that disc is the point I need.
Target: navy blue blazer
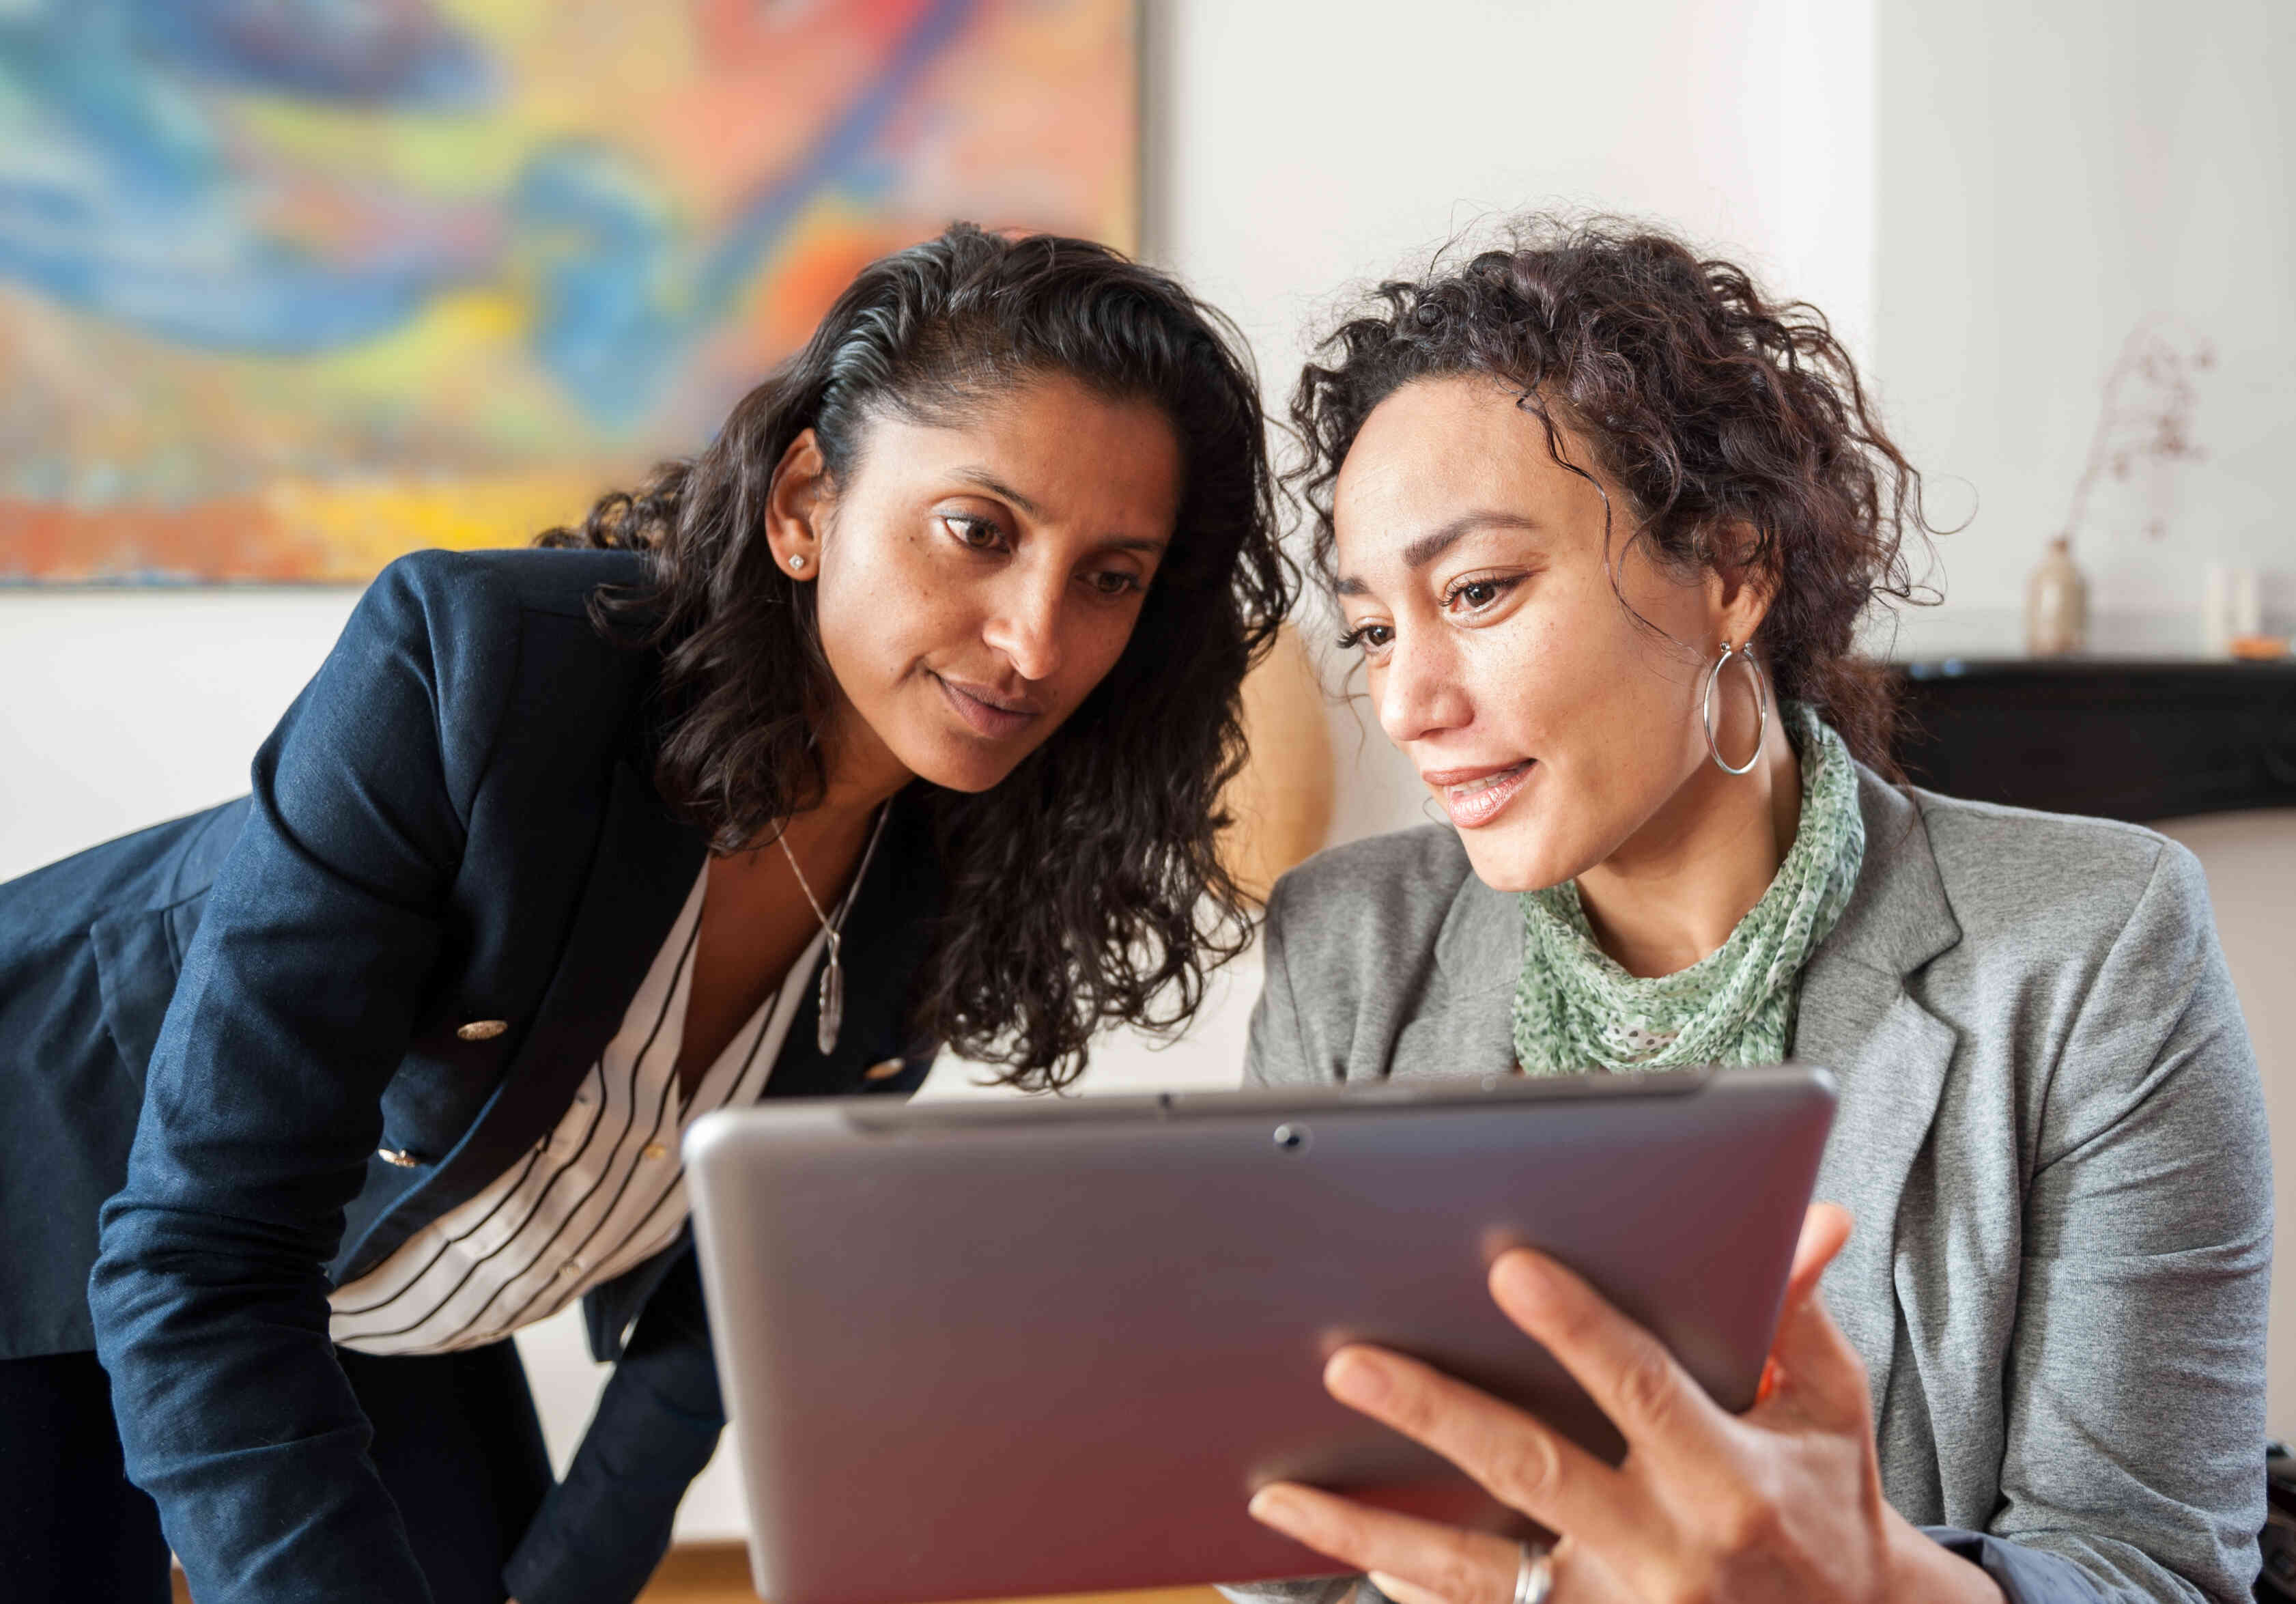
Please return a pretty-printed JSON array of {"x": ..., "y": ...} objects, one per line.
[{"x": 454, "y": 822}]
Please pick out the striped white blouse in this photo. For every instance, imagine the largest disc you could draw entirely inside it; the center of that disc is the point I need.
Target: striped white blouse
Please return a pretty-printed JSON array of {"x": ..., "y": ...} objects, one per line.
[{"x": 603, "y": 1192}]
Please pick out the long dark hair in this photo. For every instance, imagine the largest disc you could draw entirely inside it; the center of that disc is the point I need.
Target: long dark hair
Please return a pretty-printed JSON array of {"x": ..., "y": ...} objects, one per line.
[
  {"x": 1085, "y": 889},
  {"x": 1713, "y": 406}
]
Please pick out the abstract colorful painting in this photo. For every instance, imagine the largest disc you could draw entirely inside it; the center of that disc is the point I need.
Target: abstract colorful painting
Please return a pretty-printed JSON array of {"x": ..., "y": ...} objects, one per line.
[{"x": 287, "y": 287}]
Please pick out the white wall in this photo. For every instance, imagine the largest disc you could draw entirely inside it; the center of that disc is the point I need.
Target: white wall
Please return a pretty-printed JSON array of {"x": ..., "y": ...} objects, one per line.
[{"x": 2052, "y": 172}]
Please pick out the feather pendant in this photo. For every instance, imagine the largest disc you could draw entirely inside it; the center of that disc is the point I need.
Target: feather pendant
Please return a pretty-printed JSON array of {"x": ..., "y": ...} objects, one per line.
[{"x": 833, "y": 1004}]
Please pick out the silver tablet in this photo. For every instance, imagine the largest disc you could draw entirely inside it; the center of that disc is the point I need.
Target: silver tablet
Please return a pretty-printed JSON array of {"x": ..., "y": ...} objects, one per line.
[{"x": 981, "y": 1349}]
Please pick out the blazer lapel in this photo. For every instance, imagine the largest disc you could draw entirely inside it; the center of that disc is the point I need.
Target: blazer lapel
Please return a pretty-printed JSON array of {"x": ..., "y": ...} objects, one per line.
[
  {"x": 1888, "y": 1055},
  {"x": 1466, "y": 1025},
  {"x": 639, "y": 879}
]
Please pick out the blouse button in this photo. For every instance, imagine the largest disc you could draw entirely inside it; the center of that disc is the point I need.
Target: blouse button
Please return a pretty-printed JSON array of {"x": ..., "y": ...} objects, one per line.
[
  {"x": 400, "y": 1156},
  {"x": 482, "y": 1030}
]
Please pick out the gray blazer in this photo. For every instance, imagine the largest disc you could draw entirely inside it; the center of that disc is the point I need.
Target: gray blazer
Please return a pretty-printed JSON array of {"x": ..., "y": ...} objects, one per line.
[{"x": 2051, "y": 1134}]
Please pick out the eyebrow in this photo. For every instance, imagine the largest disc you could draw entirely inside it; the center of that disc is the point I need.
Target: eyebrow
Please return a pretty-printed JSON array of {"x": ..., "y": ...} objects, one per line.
[
  {"x": 1436, "y": 541},
  {"x": 995, "y": 486}
]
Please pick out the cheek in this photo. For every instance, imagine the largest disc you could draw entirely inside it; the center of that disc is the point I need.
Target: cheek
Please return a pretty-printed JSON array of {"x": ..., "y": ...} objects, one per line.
[
  {"x": 881, "y": 605},
  {"x": 1096, "y": 641},
  {"x": 1568, "y": 669},
  {"x": 1610, "y": 709}
]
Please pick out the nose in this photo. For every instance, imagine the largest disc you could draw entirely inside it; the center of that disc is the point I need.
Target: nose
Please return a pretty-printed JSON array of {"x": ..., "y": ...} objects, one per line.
[
  {"x": 1418, "y": 690},
  {"x": 1024, "y": 624}
]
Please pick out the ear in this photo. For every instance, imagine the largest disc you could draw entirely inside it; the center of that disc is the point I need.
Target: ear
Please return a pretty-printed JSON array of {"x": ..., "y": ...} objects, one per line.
[
  {"x": 1738, "y": 593},
  {"x": 795, "y": 505}
]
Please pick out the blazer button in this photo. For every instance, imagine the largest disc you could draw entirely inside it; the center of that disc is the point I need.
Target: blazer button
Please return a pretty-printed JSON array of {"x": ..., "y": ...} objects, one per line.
[
  {"x": 482, "y": 1030},
  {"x": 399, "y": 1156},
  {"x": 884, "y": 1070}
]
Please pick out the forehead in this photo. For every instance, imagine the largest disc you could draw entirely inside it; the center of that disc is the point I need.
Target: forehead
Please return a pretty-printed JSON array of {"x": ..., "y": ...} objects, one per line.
[
  {"x": 1448, "y": 437},
  {"x": 1437, "y": 449},
  {"x": 1070, "y": 451}
]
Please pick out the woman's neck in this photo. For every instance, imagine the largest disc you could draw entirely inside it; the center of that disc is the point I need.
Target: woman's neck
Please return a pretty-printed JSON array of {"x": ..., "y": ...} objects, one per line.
[
  {"x": 1674, "y": 892},
  {"x": 862, "y": 775}
]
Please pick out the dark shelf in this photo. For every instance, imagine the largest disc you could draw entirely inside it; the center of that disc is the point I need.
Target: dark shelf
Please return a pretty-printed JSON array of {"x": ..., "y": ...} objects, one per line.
[{"x": 2137, "y": 739}]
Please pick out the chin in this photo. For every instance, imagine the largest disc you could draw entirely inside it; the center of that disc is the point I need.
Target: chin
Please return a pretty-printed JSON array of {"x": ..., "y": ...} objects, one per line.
[
  {"x": 952, "y": 766},
  {"x": 1515, "y": 861}
]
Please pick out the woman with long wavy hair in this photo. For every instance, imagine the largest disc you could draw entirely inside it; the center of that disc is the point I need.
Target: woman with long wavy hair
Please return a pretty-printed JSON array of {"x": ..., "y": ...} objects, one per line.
[{"x": 897, "y": 718}]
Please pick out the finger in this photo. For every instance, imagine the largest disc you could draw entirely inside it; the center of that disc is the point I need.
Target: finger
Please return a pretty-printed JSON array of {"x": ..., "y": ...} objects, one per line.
[
  {"x": 1825, "y": 1228},
  {"x": 1427, "y": 1562},
  {"x": 1817, "y": 1374},
  {"x": 1825, "y": 1232},
  {"x": 1517, "y": 1460},
  {"x": 1629, "y": 1373},
  {"x": 1820, "y": 1377}
]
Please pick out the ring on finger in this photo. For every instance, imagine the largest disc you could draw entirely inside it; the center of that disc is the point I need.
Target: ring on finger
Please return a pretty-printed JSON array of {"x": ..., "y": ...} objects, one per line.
[{"x": 1534, "y": 1577}]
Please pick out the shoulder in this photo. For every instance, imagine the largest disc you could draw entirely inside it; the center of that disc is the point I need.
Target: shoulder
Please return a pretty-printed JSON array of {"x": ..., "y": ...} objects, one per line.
[
  {"x": 476, "y": 621},
  {"x": 450, "y": 587},
  {"x": 2075, "y": 954},
  {"x": 2055, "y": 883},
  {"x": 469, "y": 651},
  {"x": 1402, "y": 881},
  {"x": 1360, "y": 923}
]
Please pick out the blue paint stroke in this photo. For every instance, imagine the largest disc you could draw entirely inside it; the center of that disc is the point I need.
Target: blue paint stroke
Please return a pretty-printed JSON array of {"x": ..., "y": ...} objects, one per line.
[
  {"x": 116, "y": 197},
  {"x": 116, "y": 192},
  {"x": 611, "y": 329}
]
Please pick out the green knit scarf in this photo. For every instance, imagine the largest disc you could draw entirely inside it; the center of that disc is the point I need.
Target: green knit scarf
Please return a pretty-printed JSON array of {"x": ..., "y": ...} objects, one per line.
[{"x": 1576, "y": 1009}]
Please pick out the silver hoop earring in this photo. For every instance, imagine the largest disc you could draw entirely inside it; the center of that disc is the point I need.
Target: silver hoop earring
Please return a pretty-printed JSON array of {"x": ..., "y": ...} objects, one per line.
[
  {"x": 1761, "y": 704},
  {"x": 797, "y": 559}
]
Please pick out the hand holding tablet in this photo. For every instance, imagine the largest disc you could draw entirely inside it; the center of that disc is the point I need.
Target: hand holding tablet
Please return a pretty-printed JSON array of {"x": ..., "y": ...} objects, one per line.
[{"x": 1780, "y": 1502}]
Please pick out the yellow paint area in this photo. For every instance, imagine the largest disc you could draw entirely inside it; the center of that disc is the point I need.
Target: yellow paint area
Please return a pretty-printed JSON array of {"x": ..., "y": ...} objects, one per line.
[{"x": 359, "y": 527}]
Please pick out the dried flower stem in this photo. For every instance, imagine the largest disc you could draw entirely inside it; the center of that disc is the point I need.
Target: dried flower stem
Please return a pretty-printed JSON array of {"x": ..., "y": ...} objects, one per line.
[{"x": 2154, "y": 425}]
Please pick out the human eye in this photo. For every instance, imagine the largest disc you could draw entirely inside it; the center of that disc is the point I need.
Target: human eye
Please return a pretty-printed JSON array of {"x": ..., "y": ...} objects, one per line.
[
  {"x": 973, "y": 531},
  {"x": 1113, "y": 582},
  {"x": 1370, "y": 637},
  {"x": 1478, "y": 592}
]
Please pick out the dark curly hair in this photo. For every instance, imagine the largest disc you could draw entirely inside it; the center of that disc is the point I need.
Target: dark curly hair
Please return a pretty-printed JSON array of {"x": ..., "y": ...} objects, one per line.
[
  {"x": 1085, "y": 889},
  {"x": 1735, "y": 425}
]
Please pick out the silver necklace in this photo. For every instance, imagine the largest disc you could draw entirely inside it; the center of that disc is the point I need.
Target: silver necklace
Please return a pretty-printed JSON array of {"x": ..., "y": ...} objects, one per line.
[{"x": 832, "y": 997}]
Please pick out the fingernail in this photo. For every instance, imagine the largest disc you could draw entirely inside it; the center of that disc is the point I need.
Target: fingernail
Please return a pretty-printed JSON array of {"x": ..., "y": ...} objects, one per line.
[
  {"x": 1386, "y": 1583},
  {"x": 1355, "y": 1377},
  {"x": 1272, "y": 1506},
  {"x": 1522, "y": 1277}
]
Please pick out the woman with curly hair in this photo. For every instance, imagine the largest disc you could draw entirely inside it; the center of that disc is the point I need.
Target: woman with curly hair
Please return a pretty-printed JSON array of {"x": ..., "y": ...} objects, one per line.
[
  {"x": 897, "y": 718},
  {"x": 1604, "y": 521}
]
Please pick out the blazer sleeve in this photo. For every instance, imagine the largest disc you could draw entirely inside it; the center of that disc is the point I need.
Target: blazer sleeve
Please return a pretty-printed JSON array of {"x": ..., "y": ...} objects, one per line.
[
  {"x": 601, "y": 1532},
  {"x": 2135, "y": 1445},
  {"x": 262, "y": 1105}
]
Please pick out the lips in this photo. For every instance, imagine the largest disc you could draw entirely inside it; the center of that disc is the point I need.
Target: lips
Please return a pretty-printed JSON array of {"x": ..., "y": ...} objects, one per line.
[
  {"x": 1473, "y": 797},
  {"x": 987, "y": 713}
]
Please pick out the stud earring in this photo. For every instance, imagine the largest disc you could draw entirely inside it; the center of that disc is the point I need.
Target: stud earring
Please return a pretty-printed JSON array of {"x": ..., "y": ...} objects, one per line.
[{"x": 797, "y": 559}]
